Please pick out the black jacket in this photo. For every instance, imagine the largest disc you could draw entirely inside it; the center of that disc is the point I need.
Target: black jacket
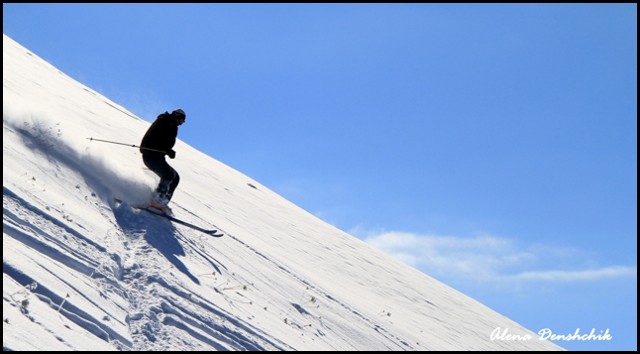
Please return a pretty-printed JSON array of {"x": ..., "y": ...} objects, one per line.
[{"x": 161, "y": 134}]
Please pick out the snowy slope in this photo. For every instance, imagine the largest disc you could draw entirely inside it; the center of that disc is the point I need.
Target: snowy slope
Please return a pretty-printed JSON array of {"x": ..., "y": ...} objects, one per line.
[{"x": 81, "y": 273}]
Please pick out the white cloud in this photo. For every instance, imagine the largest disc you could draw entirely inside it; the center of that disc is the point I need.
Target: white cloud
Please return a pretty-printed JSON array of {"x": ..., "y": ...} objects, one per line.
[
  {"x": 487, "y": 258},
  {"x": 589, "y": 274}
]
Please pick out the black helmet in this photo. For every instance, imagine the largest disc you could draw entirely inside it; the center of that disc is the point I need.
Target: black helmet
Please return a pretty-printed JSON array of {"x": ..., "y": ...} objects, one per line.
[{"x": 179, "y": 113}]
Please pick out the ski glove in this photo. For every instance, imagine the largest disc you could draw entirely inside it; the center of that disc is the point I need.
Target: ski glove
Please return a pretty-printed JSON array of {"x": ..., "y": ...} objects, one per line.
[{"x": 172, "y": 154}]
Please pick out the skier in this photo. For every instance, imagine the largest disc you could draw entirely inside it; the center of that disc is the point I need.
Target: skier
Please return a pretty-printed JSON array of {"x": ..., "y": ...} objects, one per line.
[{"x": 157, "y": 142}]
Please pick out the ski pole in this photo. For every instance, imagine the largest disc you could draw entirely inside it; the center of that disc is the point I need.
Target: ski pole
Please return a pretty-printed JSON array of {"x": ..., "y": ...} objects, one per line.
[{"x": 130, "y": 145}]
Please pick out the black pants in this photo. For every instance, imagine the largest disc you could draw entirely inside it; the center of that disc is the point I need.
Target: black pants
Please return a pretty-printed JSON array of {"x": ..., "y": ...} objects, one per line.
[{"x": 169, "y": 178}]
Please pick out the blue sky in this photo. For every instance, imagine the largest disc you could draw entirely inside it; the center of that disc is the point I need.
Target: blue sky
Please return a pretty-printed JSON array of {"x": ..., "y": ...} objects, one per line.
[{"x": 491, "y": 146}]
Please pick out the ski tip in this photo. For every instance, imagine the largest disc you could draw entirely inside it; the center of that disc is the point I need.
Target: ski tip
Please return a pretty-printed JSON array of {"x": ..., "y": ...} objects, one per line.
[{"x": 213, "y": 233}]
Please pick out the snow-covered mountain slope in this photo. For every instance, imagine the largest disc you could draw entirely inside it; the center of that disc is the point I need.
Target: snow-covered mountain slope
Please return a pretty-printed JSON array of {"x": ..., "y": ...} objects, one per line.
[{"x": 80, "y": 272}]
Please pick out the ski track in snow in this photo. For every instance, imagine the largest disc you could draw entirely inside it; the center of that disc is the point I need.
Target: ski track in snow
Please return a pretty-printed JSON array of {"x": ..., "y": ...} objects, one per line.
[{"x": 154, "y": 307}]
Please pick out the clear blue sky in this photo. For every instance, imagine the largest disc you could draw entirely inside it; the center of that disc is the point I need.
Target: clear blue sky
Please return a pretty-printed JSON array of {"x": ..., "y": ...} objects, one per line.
[{"x": 495, "y": 139}]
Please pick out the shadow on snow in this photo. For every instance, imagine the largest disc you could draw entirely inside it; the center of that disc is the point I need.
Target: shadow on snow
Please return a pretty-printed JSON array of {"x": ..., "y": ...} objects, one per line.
[{"x": 159, "y": 233}]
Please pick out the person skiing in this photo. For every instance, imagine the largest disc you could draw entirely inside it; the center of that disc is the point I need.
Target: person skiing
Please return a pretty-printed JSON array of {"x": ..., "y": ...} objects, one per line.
[{"x": 157, "y": 142}]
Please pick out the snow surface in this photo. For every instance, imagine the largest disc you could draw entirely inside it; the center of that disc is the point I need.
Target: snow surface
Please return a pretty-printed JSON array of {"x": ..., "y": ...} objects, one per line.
[{"x": 82, "y": 273}]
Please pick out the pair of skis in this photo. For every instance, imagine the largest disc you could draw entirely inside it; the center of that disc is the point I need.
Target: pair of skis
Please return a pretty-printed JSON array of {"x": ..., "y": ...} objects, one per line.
[{"x": 210, "y": 232}]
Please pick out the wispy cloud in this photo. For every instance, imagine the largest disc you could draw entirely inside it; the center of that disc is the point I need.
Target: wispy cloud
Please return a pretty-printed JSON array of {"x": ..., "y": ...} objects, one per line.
[
  {"x": 489, "y": 258},
  {"x": 589, "y": 274}
]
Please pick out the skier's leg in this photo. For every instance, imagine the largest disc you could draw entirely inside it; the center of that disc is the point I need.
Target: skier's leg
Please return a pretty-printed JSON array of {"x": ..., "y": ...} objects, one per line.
[
  {"x": 172, "y": 184},
  {"x": 168, "y": 176}
]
